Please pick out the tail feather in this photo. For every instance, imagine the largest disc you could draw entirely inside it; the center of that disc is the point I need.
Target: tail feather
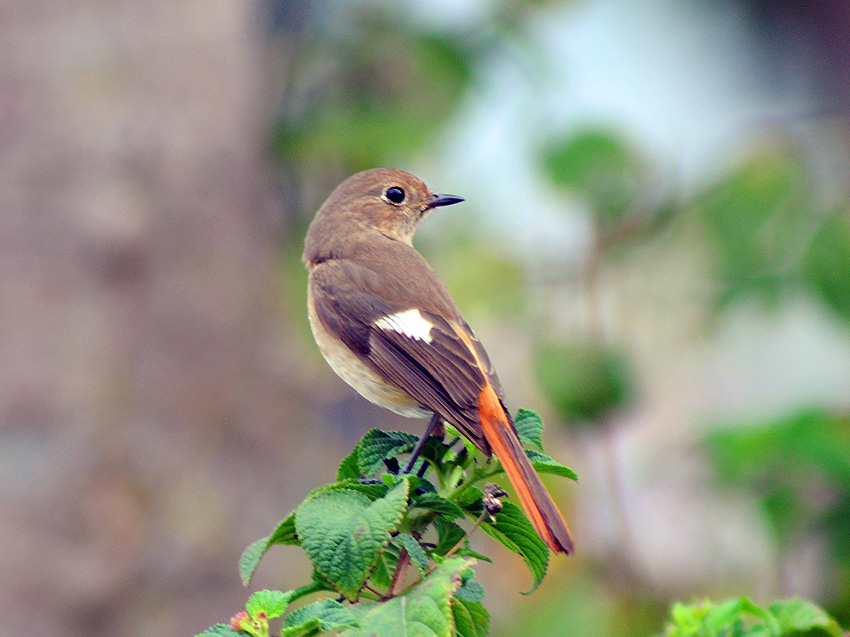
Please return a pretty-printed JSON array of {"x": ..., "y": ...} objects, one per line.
[{"x": 533, "y": 496}]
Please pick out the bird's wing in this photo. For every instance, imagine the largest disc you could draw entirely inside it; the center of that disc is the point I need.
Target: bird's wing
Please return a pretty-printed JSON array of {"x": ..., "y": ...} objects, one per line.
[{"x": 429, "y": 356}]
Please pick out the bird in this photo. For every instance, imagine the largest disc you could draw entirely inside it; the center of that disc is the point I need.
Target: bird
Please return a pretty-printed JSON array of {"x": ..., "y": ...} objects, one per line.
[{"x": 388, "y": 326}]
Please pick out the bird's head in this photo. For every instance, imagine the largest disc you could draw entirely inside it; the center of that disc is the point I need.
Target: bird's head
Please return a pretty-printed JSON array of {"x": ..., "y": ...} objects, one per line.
[{"x": 384, "y": 200}]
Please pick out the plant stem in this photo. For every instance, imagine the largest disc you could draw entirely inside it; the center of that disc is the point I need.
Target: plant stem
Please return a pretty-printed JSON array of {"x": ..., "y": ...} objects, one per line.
[{"x": 399, "y": 573}]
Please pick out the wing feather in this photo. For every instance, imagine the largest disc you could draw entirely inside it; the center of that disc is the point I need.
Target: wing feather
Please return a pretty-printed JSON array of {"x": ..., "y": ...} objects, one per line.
[{"x": 442, "y": 373}]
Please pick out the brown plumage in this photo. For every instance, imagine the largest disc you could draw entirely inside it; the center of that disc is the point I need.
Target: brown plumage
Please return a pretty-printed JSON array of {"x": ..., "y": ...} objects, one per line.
[{"x": 389, "y": 327}]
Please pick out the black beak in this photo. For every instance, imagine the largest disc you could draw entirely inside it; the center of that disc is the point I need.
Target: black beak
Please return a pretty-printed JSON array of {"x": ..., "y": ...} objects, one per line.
[{"x": 435, "y": 201}]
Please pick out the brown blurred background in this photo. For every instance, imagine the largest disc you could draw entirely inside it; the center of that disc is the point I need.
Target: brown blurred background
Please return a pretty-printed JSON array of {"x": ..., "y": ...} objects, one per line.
[{"x": 655, "y": 248}]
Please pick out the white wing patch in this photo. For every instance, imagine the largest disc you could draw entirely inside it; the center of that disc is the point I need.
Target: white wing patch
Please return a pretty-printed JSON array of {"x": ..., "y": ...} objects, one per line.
[{"x": 410, "y": 323}]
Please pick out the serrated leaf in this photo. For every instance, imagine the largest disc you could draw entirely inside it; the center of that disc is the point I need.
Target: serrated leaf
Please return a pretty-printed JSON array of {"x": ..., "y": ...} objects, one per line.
[
  {"x": 514, "y": 530},
  {"x": 420, "y": 486},
  {"x": 438, "y": 504},
  {"x": 471, "y": 591},
  {"x": 220, "y": 630},
  {"x": 349, "y": 468},
  {"x": 309, "y": 628},
  {"x": 471, "y": 499},
  {"x": 448, "y": 535},
  {"x": 250, "y": 559},
  {"x": 414, "y": 550},
  {"x": 529, "y": 428},
  {"x": 317, "y": 618},
  {"x": 272, "y": 603},
  {"x": 372, "y": 490},
  {"x": 343, "y": 532},
  {"x": 471, "y": 618},
  {"x": 547, "y": 464},
  {"x": 423, "y": 611},
  {"x": 382, "y": 574},
  {"x": 377, "y": 445},
  {"x": 284, "y": 534}
]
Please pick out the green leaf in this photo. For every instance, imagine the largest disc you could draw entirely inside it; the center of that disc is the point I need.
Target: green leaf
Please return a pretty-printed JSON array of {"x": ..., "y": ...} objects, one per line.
[
  {"x": 741, "y": 617},
  {"x": 720, "y": 617},
  {"x": 470, "y": 448},
  {"x": 414, "y": 550},
  {"x": 250, "y": 559},
  {"x": 382, "y": 575},
  {"x": 471, "y": 499},
  {"x": 343, "y": 532},
  {"x": 435, "y": 451},
  {"x": 377, "y": 446},
  {"x": 529, "y": 428},
  {"x": 272, "y": 603},
  {"x": 471, "y": 618},
  {"x": 284, "y": 533},
  {"x": 438, "y": 504},
  {"x": 349, "y": 468},
  {"x": 318, "y": 584},
  {"x": 546, "y": 464},
  {"x": 423, "y": 611},
  {"x": 371, "y": 490},
  {"x": 220, "y": 630},
  {"x": 513, "y": 529},
  {"x": 803, "y": 615},
  {"x": 317, "y": 618},
  {"x": 470, "y": 591},
  {"x": 448, "y": 535}
]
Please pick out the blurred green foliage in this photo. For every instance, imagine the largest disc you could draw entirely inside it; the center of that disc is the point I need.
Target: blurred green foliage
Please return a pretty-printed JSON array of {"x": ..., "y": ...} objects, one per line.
[
  {"x": 582, "y": 381},
  {"x": 758, "y": 220},
  {"x": 466, "y": 260},
  {"x": 598, "y": 165},
  {"x": 370, "y": 95},
  {"x": 743, "y": 618},
  {"x": 798, "y": 467},
  {"x": 827, "y": 263},
  {"x": 588, "y": 604},
  {"x": 769, "y": 239}
]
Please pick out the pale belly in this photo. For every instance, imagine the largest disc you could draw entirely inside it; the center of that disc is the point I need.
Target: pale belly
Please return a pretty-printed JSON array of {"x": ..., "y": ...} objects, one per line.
[{"x": 354, "y": 372}]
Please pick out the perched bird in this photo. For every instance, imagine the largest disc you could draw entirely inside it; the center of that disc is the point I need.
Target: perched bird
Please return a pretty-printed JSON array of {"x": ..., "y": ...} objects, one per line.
[{"x": 388, "y": 327}]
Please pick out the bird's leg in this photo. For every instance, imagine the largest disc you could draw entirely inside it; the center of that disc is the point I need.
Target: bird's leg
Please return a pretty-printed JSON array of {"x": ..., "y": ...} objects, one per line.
[{"x": 429, "y": 430}]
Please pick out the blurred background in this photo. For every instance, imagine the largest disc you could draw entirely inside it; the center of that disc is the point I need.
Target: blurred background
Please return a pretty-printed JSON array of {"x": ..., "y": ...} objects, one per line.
[{"x": 655, "y": 248}]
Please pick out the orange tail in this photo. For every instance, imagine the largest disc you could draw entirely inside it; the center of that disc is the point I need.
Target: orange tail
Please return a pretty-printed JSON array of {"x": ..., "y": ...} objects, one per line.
[{"x": 533, "y": 496}]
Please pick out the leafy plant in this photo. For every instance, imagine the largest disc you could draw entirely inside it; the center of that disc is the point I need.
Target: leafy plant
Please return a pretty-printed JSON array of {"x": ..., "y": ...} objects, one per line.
[
  {"x": 391, "y": 547},
  {"x": 798, "y": 468},
  {"x": 743, "y": 618}
]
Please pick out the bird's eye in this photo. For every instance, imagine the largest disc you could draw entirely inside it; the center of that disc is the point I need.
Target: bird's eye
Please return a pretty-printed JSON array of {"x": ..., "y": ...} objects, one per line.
[{"x": 395, "y": 194}]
